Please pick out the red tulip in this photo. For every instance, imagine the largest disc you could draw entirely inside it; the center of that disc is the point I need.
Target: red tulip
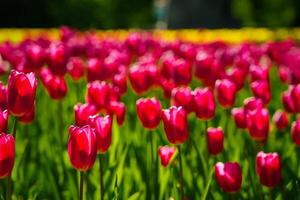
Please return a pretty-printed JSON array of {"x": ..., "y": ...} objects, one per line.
[
  {"x": 57, "y": 57},
  {"x": 3, "y": 97},
  {"x": 56, "y": 86},
  {"x": 149, "y": 112},
  {"x": 215, "y": 139},
  {"x": 82, "y": 147},
  {"x": 28, "y": 117},
  {"x": 75, "y": 68},
  {"x": 296, "y": 96},
  {"x": 181, "y": 72},
  {"x": 182, "y": 96},
  {"x": 204, "y": 103},
  {"x": 83, "y": 112},
  {"x": 7, "y": 155},
  {"x": 175, "y": 124},
  {"x": 268, "y": 168},
  {"x": 288, "y": 101},
  {"x": 21, "y": 92},
  {"x": 261, "y": 89},
  {"x": 225, "y": 90},
  {"x": 95, "y": 70},
  {"x": 252, "y": 103},
  {"x": 238, "y": 76},
  {"x": 117, "y": 108},
  {"x": 295, "y": 131},
  {"x": 258, "y": 73},
  {"x": 258, "y": 124},
  {"x": 119, "y": 81},
  {"x": 165, "y": 154},
  {"x": 229, "y": 176},
  {"x": 3, "y": 121},
  {"x": 239, "y": 117},
  {"x": 281, "y": 119},
  {"x": 103, "y": 129}
]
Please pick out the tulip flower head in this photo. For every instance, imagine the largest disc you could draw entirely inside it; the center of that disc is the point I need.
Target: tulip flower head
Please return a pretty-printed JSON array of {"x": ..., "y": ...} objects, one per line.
[
  {"x": 83, "y": 112},
  {"x": 165, "y": 154},
  {"x": 7, "y": 155},
  {"x": 295, "y": 132},
  {"x": 215, "y": 140},
  {"x": 239, "y": 117},
  {"x": 281, "y": 120},
  {"x": 183, "y": 96},
  {"x": 204, "y": 103},
  {"x": 226, "y": 91}
]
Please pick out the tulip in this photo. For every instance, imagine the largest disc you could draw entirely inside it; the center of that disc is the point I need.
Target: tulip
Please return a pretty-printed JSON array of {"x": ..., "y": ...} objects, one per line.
[
  {"x": 7, "y": 156},
  {"x": 3, "y": 97},
  {"x": 165, "y": 154},
  {"x": 183, "y": 96},
  {"x": 258, "y": 124},
  {"x": 149, "y": 112},
  {"x": 117, "y": 108},
  {"x": 295, "y": 132},
  {"x": 281, "y": 120},
  {"x": 75, "y": 67},
  {"x": 258, "y": 73},
  {"x": 103, "y": 129},
  {"x": 181, "y": 72},
  {"x": 288, "y": 101},
  {"x": 82, "y": 147},
  {"x": 3, "y": 121},
  {"x": 57, "y": 57},
  {"x": 261, "y": 89},
  {"x": 95, "y": 70},
  {"x": 21, "y": 92},
  {"x": 268, "y": 168},
  {"x": 296, "y": 96},
  {"x": 204, "y": 103},
  {"x": 229, "y": 176},
  {"x": 215, "y": 139},
  {"x": 252, "y": 103},
  {"x": 56, "y": 86},
  {"x": 83, "y": 112},
  {"x": 239, "y": 117},
  {"x": 237, "y": 76},
  {"x": 28, "y": 117},
  {"x": 175, "y": 124},
  {"x": 119, "y": 81},
  {"x": 225, "y": 90}
]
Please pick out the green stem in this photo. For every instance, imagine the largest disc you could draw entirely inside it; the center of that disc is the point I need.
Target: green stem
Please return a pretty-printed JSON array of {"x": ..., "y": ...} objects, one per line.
[
  {"x": 9, "y": 179},
  {"x": 81, "y": 186},
  {"x": 101, "y": 177},
  {"x": 151, "y": 141},
  {"x": 181, "y": 172}
]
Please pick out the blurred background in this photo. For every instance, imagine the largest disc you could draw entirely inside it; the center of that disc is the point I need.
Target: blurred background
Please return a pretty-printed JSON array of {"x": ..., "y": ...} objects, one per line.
[{"x": 174, "y": 14}]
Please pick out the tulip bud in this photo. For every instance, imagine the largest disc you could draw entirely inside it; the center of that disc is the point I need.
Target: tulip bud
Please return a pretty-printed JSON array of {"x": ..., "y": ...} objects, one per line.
[
  {"x": 258, "y": 124},
  {"x": 75, "y": 68},
  {"x": 21, "y": 92},
  {"x": 268, "y": 168},
  {"x": 99, "y": 94},
  {"x": 83, "y": 112},
  {"x": 261, "y": 89},
  {"x": 117, "y": 108},
  {"x": 56, "y": 86},
  {"x": 3, "y": 97},
  {"x": 7, "y": 156},
  {"x": 225, "y": 90},
  {"x": 204, "y": 103},
  {"x": 215, "y": 139},
  {"x": 281, "y": 119},
  {"x": 165, "y": 154},
  {"x": 103, "y": 129},
  {"x": 183, "y": 96},
  {"x": 175, "y": 124},
  {"x": 229, "y": 176},
  {"x": 239, "y": 117},
  {"x": 82, "y": 147},
  {"x": 295, "y": 131},
  {"x": 149, "y": 112}
]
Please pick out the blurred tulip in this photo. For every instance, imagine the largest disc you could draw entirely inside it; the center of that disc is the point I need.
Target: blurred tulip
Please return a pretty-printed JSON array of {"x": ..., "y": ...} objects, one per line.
[
  {"x": 95, "y": 70},
  {"x": 252, "y": 103},
  {"x": 103, "y": 129},
  {"x": 258, "y": 124},
  {"x": 261, "y": 89},
  {"x": 175, "y": 124},
  {"x": 117, "y": 108},
  {"x": 28, "y": 117},
  {"x": 82, "y": 147},
  {"x": 3, "y": 96},
  {"x": 215, "y": 139},
  {"x": 57, "y": 58},
  {"x": 296, "y": 96},
  {"x": 229, "y": 176},
  {"x": 204, "y": 103},
  {"x": 21, "y": 92},
  {"x": 149, "y": 112},
  {"x": 56, "y": 86},
  {"x": 225, "y": 91},
  {"x": 268, "y": 168},
  {"x": 288, "y": 101},
  {"x": 75, "y": 67},
  {"x": 182, "y": 96},
  {"x": 281, "y": 120},
  {"x": 239, "y": 117},
  {"x": 295, "y": 132},
  {"x": 7, "y": 156},
  {"x": 83, "y": 112},
  {"x": 165, "y": 154},
  {"x": 258, "y": 73},
  {"x": 119, "y": 81}
]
